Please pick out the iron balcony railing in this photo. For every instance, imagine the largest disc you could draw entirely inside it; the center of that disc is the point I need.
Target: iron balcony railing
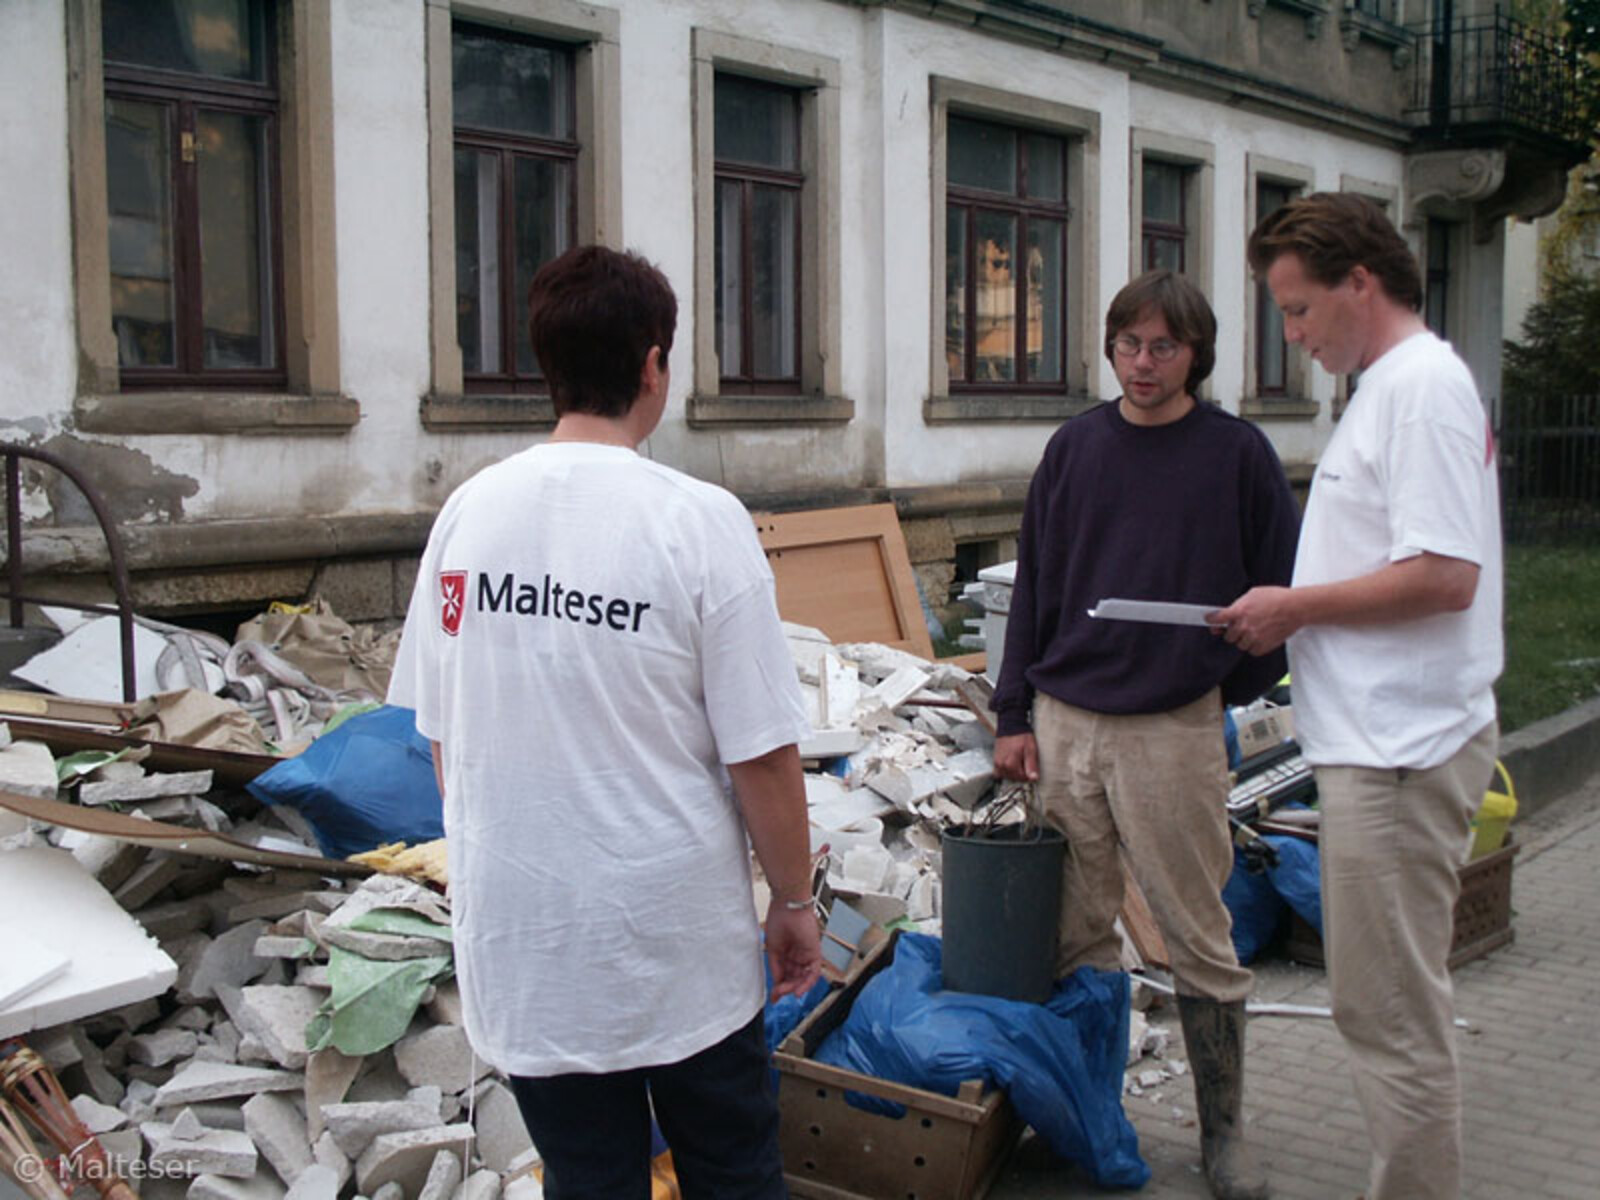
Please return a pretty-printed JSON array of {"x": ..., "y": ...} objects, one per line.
[{"x": 1490, "y": 72}]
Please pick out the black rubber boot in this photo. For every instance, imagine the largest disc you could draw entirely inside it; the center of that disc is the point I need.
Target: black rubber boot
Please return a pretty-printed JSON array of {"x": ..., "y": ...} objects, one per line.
[{"x": 1213, "y": 1031}]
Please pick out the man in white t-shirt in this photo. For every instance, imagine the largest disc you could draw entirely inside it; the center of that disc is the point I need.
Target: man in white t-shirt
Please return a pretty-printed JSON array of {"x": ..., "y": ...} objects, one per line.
[
  {"x": 1393, "y": 625},
  {"x": 593, "y": 648}
]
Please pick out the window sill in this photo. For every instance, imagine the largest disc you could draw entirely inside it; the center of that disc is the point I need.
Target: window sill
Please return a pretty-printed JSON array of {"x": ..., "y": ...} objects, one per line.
[
  {"x": 770, "y": 410},
  {"x": 1290, "y": 408},
  {"x": 472, "y": 413},
  {"x": 970, "y": 406},
  {"x": 215, "y": 412}
]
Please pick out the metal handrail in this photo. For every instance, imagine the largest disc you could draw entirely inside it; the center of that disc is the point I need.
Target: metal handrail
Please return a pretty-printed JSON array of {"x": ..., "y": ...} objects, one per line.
[{"x": 123, "y": 609}]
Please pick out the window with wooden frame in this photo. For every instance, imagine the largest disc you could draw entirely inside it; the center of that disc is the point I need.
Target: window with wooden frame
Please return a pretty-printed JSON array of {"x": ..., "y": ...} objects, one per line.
[
  {"x": 1006, "y": 215},
  {"x": 1272, "y": 350},
  {"x": 191, "y": 110},
  {"x": 515, "y": 188},
  {"x": 759, "y": 187},
  {"x": 1164, "y": 224}
]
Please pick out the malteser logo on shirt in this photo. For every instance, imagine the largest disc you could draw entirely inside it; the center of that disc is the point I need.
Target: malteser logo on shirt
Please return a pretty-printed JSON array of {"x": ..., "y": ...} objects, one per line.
[{"x": 452, "y": 599}]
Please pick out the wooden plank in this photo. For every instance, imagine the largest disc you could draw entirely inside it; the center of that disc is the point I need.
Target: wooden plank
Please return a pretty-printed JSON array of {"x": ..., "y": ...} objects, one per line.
[
  {"x": 846, "y": 572},
  {"x": 1140, "y": 922}
]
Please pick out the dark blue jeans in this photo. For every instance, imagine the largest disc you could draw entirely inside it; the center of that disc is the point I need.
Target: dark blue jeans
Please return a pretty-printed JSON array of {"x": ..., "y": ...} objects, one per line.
[{"x": 716, "y": 1109}]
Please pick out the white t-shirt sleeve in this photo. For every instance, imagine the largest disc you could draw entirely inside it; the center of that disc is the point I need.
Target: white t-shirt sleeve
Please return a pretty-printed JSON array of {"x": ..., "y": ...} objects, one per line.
[
  {"x": 414, "y": 683},
  {"x": 752, "y": 695},
  {"x": 1436, "y": 466}
]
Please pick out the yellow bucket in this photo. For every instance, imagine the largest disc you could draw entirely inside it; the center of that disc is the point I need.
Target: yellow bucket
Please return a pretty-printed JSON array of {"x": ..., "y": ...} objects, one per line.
[{"x": 1489, "y": 825}]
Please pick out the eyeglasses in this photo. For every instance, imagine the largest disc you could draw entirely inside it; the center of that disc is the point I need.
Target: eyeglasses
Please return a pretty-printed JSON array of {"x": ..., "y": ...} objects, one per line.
[{"x": 1162, "y": 349}]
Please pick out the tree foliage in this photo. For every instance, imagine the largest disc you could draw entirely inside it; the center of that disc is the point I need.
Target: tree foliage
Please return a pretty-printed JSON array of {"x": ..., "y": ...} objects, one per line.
[{"x": 1556, "y": 356}]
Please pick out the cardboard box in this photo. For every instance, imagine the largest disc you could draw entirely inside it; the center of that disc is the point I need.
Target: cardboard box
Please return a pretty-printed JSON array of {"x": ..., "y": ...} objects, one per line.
[
  {"x": 1482, "y": 917},
  {"x": 943, "y": 1148}
]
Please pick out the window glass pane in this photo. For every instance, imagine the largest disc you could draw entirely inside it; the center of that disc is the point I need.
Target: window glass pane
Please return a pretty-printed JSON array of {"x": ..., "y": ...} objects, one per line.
[
  {"x": 221, "y": 38},
  {"x": 139, "y": 212},
  {"x": 955, "y": 291},
  {"x": 730, "y": 276},
  {"x": 1163, "y": 192},
  {"x": 1163, "y": 254},
  {"x": 1047, "y": 171},
  {"x": 982, "y": 155},
  {"x": 512, "y": 85},
  {"x": 1273, "y": 351},
  {"x": 478, "y": 260},
  {"x": 756, "y": 123},
  {"x": 1045, "y": 298},
  {"x": 235, "y": 279},
  {"x": 995, "y": 318},
  {"x": 542, "y": 212},
  {"x": 775, "y": 288}
]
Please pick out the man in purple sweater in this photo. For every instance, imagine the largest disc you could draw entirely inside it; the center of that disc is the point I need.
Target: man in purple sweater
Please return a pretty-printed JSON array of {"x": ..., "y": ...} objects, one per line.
[{"x": 1154, "y": 497}]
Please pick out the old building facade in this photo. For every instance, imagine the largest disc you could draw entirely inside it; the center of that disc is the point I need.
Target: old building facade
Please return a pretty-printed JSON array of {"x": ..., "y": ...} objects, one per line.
[{"x": 264, "y": 258}]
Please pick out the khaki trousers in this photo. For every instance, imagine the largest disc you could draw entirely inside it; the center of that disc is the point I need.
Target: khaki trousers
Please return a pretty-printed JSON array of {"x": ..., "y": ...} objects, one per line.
[
  {"x": 1390, "y": 843},
  {"x": 1156, "y": 786}
]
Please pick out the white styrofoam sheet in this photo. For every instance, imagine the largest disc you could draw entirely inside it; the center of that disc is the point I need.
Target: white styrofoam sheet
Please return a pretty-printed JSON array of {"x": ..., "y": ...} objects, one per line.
[
  {"x": 47, "y": 896},
  {"x": 87, "y": 663}
]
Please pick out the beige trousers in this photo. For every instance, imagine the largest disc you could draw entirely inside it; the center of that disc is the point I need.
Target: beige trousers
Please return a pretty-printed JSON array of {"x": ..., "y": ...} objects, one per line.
[
  {"x": 1154, "y": 785},
  {"x": 1390, "y": 843}
]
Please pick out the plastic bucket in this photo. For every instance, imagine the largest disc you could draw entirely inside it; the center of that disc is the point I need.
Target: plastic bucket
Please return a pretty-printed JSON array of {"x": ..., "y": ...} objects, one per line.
[
  {"x": 1494, "y": 815},
  {"x": 1001, "y": 901}
]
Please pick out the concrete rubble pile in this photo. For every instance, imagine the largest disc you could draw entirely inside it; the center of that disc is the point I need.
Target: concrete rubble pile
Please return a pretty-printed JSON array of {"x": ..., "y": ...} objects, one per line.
[
  {"x": 257, "y": 1074},
  {"x": 211, "y": 1089}
]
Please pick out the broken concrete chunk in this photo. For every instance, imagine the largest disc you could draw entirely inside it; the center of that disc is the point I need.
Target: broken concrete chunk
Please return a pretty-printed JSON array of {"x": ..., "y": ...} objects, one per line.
[
  {"x": 839, "y": 692},
  {"x": 384, "y": 947},
  {"x": 228, "y": 961},
  {"x": 210, "y": 1081},
  {"x": 277, "y": 1017},
  {"x": 316, "y": 1182},
  {"x": 439, "y": 1056},
  {"x": 480, "y": 1185},
  {"x": 157, "y": 873},
  {"x": 213, "y": 1114},
  {"x": 28, "y": 769},
  {"x": 502, "y": 1136},
  {"x": 187, "y": 1127},
  {"x": 406, "y": 1158},
  {"x": 355, "y": 1125},
  {"x": 326, "y": 1152},
  {"x": 867, "y": 867},
  {"x": 98, "y": 1118},
  {"x": 523, "y": 1187},
  {"x": 832, "y": 743},
  {"x": 275, "y": 1125},
  {"x": 210, "y": 1152},
  {"x": 390, "y": 1191},
  {"x": 329, "y": 1075},
  {"x": 162, "y": 1047},
  {"x": 894, "y": 691},
  {"x": 263, "y": 1185},
  {"x": 282, "y": 904},
  {"x": 444, "y": 1006},
  {"x": 444, "y": 1176},
  {"x": 150, "y": 787}
]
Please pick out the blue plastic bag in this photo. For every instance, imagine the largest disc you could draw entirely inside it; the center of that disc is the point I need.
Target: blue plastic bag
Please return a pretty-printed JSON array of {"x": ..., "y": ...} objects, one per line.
[
  {"x": 1260, "y": 903},
  {"x": 368, "y": 782},
  {"x": 1061, "y": 1062}
]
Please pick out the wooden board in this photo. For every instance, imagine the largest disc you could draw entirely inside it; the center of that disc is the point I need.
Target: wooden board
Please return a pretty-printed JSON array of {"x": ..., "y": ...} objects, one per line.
[{"x": 846, "y": 572}]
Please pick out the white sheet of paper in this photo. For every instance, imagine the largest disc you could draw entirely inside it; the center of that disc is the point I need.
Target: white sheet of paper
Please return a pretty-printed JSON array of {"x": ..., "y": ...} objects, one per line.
[{"x": 1159, "y": 612}]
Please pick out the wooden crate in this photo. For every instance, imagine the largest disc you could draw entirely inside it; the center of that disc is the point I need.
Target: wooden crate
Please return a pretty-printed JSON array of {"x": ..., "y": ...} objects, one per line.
[
  {"x": 942, "y": 1148},
  {"x": 1482, "y": 917}
]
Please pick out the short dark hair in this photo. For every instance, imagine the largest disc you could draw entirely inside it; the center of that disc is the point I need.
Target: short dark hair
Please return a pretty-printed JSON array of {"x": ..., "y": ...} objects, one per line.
[
  {"x": 1332, "y": 233},
  {"x": 593, "y": 314},
  {"x": 1184, "y": 308}
]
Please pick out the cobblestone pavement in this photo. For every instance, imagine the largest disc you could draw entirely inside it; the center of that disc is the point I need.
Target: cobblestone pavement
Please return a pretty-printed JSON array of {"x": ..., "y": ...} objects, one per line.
[{"x": 1530, "y": 1057}]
